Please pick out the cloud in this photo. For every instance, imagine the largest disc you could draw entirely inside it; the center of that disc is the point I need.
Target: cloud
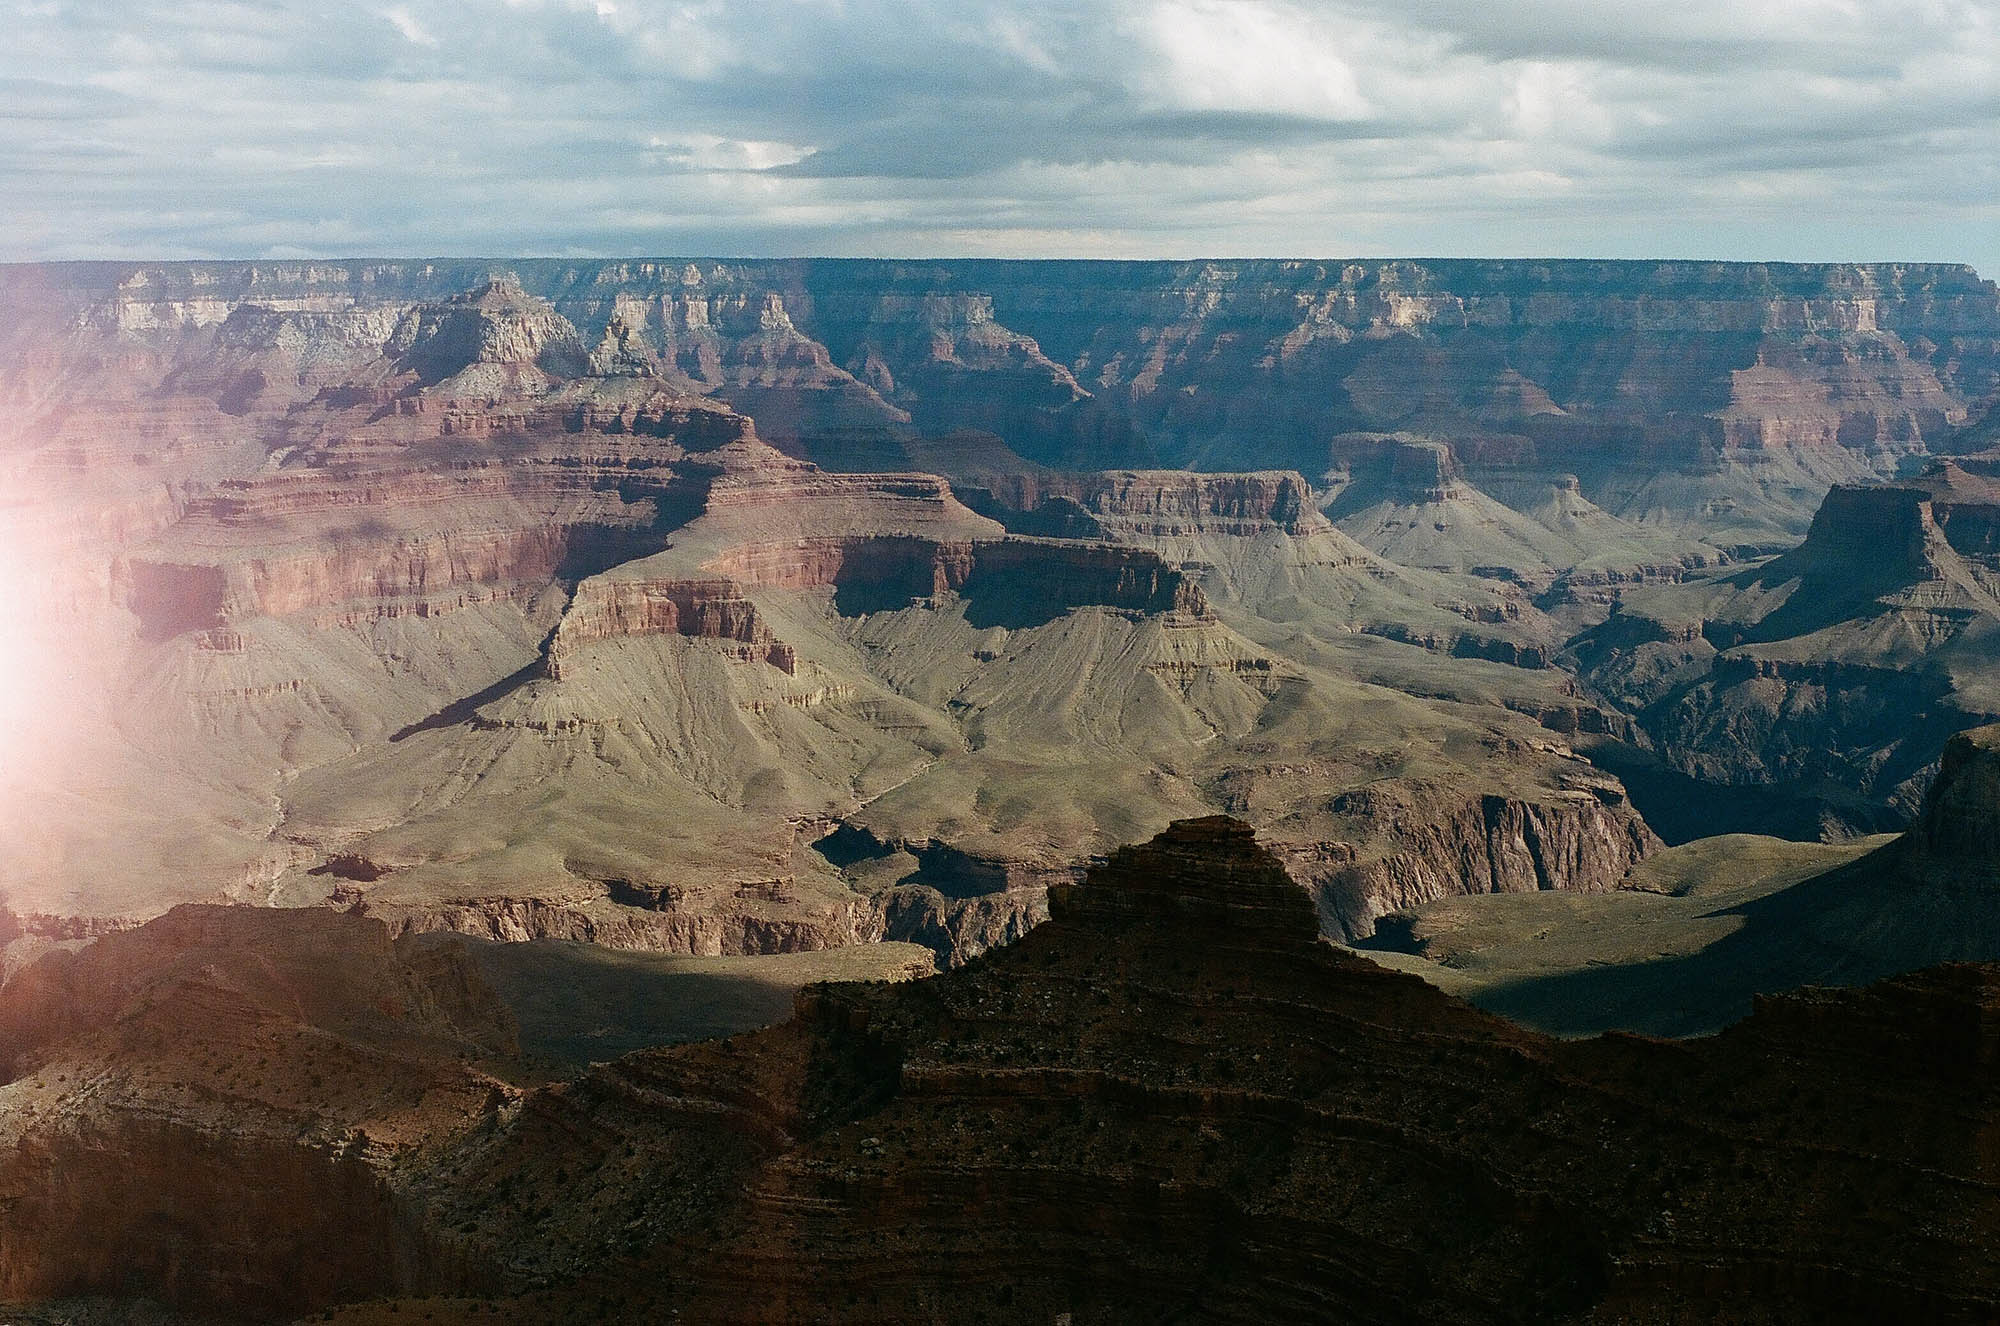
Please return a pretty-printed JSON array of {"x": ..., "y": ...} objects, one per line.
[
  {"x": 1815, "y": 129},
  {"x": 413, "y": 32},
  {"x": 712, "y": 152},
  {"x": 1259, "y": 58}
]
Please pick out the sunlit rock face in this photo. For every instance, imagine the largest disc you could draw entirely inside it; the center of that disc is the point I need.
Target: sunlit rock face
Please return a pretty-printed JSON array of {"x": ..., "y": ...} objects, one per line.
[{"x": 746, "y": 605}]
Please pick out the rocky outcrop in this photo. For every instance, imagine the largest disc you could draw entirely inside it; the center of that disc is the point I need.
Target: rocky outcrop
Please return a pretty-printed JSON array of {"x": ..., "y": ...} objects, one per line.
[
  {"x": 335, "y": 538},
  {"x": 1959, "y": 826},
  {"x": 208, "y": 1112},
  {"x": 1044, "y": 578},
  {"x": 425, "y": 574},
  {"x": 607, "y": 608},
  {"x": 1585, "y": 842},
  {"x": 1874, "y": 532},
  {"x": 1737, "y": 931},
  {"x": 957, "y": 927},
  {"x": 1156, "y": 503},
  {"x": 1835, "y": 671},
  {"x": 637, "y": 920},
  {"x": 952, "y": 902},
  {"x": 1175, "y": 1080},
  {"x": 152, "y": 1145},
  {"x": 1204, "y": 875},
  {"x": 1425, "y": 471},
  {"x": 1027, "y": 579},
  {"x": 471, "y": 341}
]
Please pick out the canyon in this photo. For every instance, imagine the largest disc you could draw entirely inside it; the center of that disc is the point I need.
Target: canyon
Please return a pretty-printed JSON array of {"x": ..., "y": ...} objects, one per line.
[
  {"x": 737, "y": 607},
  {"x": 888, "y": 790}
]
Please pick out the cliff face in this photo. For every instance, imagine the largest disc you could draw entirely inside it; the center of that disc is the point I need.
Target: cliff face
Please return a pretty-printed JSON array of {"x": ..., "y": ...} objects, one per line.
[
  {"x": 1102, "y": 362},
  {"x": 605, "y": 609},
  {"x": 1713, "y": 926},
  {"x": 1583, "y": 843},
  {"x": 1959, "y": 827},
  {"x": 470, "y": 340},
  {"x": 1155, "y": 503}
]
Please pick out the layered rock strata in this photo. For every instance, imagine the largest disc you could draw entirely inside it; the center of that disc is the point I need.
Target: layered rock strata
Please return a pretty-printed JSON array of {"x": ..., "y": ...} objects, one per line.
[
  {"x": 408, "y": 539},
  {"x": 1576, "y": 359},
  {"x": 1834, "y": 672},
  {"x": 1174, "y": 1079},
  {"x": 1583, "y": 843},
  {"x": 204, "y": 1111}
]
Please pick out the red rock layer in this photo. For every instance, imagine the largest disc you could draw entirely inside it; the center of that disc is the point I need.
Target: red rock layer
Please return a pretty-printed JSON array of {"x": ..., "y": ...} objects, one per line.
[
  {"x": 326, "y": 536},
  {"x": 609, "y": 608},
  {"x": 1169, "y": 502},
  {"x": 1046, "y": 576}
]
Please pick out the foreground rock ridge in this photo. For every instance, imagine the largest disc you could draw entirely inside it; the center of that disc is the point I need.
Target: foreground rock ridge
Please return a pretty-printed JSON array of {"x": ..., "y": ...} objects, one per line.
[
  {"x": 821, "y": 790},
  {"x": 1173, "y": 1099}
]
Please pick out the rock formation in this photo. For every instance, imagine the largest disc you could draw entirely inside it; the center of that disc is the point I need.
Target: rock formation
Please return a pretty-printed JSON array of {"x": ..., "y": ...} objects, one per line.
[
  {"x": 1720, "y": 937},
  {"x": 232, "y": 1081},
  {"x": 455, "y": 569},
  {"x": 649, "y": 561},
  {"x": 1835, "y": 671},
  {"x": 760, "y": 612},
  {"x": 1171, "y": 1099},
  {"x": 1573, "y": 360},
  {"x": 1959, "y": 829},
  {"x": 209, "y": 1110},
  {"x": 1173, "y": 1080}
]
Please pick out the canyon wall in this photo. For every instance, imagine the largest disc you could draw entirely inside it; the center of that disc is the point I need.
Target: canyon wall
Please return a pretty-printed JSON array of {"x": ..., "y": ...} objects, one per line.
[
  {"x": 1833, "y": 673},
  {"x": 1234, "y": 364},
  {"x": 384, "y": 547}
]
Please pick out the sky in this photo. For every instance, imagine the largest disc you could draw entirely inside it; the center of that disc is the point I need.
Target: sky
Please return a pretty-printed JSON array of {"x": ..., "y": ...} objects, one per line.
[{"x": 1810, "y": 130}]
